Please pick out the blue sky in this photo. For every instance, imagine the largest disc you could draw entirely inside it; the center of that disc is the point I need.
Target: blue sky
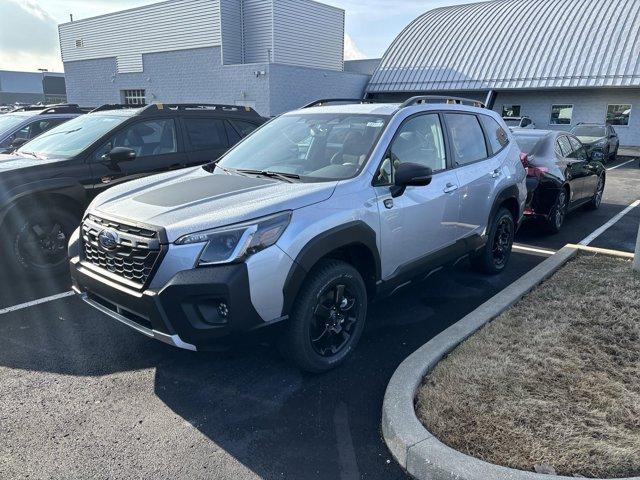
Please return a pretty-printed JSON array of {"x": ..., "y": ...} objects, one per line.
[{"x": 29, "y": 40}]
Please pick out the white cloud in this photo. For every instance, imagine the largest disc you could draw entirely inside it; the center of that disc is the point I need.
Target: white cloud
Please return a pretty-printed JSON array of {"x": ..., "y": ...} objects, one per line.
[
  {"x": 351, "y": 50},
  {"x": 28, "y": 36}
]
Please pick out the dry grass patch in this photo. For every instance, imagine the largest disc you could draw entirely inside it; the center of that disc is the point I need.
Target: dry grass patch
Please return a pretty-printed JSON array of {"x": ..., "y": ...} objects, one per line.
[{"x": 555, "y": 379}]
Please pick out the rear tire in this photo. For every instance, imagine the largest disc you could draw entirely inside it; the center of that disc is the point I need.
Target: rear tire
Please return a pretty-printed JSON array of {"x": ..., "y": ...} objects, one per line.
[
  {"x": 596, "y": 201},
  {"x": 34, "y": 240},
  {"x": 327, "y": 318},
  {"x": 614, "y": 156},
  {"x": 494, "y": 257},
  {"x": 558, "y": 213}
]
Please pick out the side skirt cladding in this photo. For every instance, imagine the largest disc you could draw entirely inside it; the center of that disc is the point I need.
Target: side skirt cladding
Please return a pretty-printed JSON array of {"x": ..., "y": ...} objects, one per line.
[{"x": 354, "y": 236}]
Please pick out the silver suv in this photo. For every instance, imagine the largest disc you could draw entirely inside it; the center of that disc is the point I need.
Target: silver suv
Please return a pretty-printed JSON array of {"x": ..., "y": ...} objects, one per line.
[{"x": 302, "y": 223}]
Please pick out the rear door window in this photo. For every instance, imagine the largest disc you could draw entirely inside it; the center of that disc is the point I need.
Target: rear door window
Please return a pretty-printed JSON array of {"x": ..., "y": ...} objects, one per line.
[
  {"x": 467, "y": 138},
  {"x": 206, "y": 133}
]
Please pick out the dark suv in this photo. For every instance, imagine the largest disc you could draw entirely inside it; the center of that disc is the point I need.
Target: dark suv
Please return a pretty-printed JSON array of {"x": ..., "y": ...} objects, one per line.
[
  {"x": 602, "y": 141},
  {"x": 47, "y": 183}
]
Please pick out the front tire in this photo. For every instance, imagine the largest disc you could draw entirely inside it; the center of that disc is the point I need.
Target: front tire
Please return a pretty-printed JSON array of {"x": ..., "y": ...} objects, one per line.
[
  {"x": 494, "y": 256},
  {"x": 34, "y": 240},
  {"x": 327, "y": 318}
]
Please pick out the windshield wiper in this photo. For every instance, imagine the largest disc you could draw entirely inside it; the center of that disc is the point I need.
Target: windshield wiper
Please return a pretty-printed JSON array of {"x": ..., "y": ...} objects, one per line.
[
  {"x": 285, "y": 177},
  {"x": 28, "y": 153}
]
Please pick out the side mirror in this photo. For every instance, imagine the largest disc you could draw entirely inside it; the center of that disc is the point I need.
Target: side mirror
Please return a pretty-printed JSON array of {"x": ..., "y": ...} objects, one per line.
[
  {"x": 120, "y": 154},
  {"x": 410, "y": 175},
  {"x": 18, "y": 142}
]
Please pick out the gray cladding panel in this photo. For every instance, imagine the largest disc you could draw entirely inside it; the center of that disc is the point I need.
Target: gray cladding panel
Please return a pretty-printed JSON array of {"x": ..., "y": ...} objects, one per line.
[{"x": 257, "y": 30}]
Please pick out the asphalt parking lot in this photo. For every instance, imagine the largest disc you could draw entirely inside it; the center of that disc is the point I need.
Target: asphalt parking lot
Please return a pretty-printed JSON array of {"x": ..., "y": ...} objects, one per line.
[{"x": 84, "y": 397}]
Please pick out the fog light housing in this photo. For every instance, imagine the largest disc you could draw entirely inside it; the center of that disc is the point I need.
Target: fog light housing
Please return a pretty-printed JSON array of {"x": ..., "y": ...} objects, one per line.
[{"x": 213, "y": 312}]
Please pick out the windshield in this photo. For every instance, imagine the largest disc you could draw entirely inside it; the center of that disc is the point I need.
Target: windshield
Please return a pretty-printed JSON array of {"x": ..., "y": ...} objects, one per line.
[
  {"x": 7, "y": 122},
  {"x": 589, "y": 131},
  {"x": 528, "y": 144},
  {"x": 326, "y": 146},
  {"x": 72, "y": 137}
]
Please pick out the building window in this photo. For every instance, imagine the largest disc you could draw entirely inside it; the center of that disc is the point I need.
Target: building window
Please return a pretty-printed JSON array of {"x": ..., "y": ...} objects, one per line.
[
  {"x": 134, "y": 97},
  {"x": 511, "y": 111},
  {"x": 618, "y": 114},
  {"x": 561, "y": 114}
]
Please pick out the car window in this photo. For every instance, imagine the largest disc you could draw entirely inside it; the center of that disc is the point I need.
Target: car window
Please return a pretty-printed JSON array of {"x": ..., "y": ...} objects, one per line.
[
  {"x": 497, "y": 136},
  {"x": 206, "y": 133},
  {"x": 147, "y": 138},
  {"x": 36, "y": 128},
  {"x": 468, "y": 143},
  {"x": 420, "y": 140},
  {"x": 565, "y": 146},
  {"x": 577, "y": 149},
  {"x": 243, "y": 128}
]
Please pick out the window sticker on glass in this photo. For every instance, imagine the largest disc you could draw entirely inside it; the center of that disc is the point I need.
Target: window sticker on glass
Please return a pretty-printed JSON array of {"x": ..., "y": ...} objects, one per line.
[{"x": 377, "y": 124}]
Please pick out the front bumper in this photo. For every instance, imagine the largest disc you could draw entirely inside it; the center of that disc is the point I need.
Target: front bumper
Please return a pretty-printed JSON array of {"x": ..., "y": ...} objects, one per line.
[{"x": 196, "y": 309}]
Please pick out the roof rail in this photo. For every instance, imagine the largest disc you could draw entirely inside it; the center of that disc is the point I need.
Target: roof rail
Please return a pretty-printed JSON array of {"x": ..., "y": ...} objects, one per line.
[
  {"x": 422, "y": 99},
  {"x": 113, "y": 106},
  {"x": 325, "y": 101},
  {"x": 62, "y": 108},
  {"x": 28, "y": 108},
  {"x": 197, "y": 107}
]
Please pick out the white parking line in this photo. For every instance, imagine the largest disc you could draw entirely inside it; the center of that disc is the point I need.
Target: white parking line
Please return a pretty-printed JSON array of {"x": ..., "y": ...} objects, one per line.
[
  {"x": 623, "y": 164},
  {"x": 524, "y": 248},
  {"x": 33, "y": 303},
  {"x": 609, "y": 224}
]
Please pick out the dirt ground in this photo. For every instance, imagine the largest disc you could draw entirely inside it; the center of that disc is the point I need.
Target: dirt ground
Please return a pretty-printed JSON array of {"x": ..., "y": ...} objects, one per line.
[{"x": 554, "y": 380}]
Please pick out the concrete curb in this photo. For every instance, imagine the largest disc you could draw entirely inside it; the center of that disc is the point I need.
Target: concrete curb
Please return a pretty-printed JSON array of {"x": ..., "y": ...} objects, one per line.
[{"x": 421, "y": 454}]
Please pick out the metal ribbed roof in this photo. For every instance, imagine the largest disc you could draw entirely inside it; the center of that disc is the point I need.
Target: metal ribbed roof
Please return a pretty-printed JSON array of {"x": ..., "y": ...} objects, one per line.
[{"x": 507, "y": 44}]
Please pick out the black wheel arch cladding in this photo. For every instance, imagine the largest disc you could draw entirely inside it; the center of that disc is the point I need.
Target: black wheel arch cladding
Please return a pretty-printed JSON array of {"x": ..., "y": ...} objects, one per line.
[{"x": 356, "y": 234}]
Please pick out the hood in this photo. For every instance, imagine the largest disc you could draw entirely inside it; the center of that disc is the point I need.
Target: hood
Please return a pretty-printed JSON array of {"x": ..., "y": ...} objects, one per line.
[
  {"x": 590, "y": 140},
  {"x": 14, "y": 161},
  {"x": 193, "y": 200}
]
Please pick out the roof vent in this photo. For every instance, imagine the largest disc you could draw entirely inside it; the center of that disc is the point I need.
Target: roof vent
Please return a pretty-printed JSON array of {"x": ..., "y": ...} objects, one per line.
[{"x": 79, "y": 43}]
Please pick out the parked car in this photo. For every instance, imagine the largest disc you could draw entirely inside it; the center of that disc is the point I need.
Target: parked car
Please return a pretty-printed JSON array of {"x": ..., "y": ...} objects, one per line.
[
  {"x": 561, "y": 176},
  {"x": 519, "y": 122},
  {"x": 47, "y": 183},
  {"x": 22, "y": 124},
  {"x": 302, "y": 223},
  {"x": 602, "y": 141}
]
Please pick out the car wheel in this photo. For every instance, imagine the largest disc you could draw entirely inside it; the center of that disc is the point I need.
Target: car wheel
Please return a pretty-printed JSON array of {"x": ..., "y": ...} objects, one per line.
[
  {"x": 558, "y": 213},
  {"x": 35, "y": 238},
  {"x": 494, "y": 256},
  {"x": 596, "y": 201},
  {"x": 327, "y": 318}
]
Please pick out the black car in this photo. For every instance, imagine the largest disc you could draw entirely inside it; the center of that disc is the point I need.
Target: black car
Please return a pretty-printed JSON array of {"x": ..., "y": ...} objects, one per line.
[
  {"x": 602, "y": 141},
  {"x": 47, "y": 183},
  {"x": 561, "y": 175}
]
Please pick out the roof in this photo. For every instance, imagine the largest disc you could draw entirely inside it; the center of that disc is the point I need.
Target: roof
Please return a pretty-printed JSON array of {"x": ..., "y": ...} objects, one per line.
[{"x": 512, "y": 44}]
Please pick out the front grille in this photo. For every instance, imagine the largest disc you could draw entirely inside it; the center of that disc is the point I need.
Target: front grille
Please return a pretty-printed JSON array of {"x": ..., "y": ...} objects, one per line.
[{"x": 133, "y": 257}]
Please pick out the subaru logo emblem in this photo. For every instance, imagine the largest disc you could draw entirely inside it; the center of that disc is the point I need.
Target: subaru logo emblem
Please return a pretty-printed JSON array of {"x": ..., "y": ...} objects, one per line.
[{"x": 108, "y": 239}]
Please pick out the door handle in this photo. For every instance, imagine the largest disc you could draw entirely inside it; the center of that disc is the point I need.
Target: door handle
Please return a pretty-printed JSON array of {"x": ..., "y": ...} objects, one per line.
[
  {"x": 450, "y": 188},
  {"x": 496, "y": 173}
]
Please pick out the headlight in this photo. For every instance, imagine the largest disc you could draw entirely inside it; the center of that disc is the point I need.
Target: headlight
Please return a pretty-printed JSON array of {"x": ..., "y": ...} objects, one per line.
[{"x": 235, "y": 242}]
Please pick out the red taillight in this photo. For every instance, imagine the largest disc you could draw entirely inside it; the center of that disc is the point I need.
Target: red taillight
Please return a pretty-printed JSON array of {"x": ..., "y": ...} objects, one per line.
[{"x": 532, "y": 171}]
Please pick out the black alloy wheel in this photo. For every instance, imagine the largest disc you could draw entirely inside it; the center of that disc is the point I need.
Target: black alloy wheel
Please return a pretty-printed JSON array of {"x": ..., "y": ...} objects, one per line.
[
  {"x": 558, "y": 213},
  {"x": 36, "y": 240},
  {"x": 503, "y": 242},
  {"x": 494, "y": 257},
  {"x": 334, "y": 320},
  {"x": 327, "y": 318}
]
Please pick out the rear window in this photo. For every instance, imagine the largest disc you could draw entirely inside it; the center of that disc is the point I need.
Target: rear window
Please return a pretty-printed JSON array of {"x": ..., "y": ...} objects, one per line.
[
  {"x": 528, "y": 144},
  {"x": 243, "y": 128}
]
